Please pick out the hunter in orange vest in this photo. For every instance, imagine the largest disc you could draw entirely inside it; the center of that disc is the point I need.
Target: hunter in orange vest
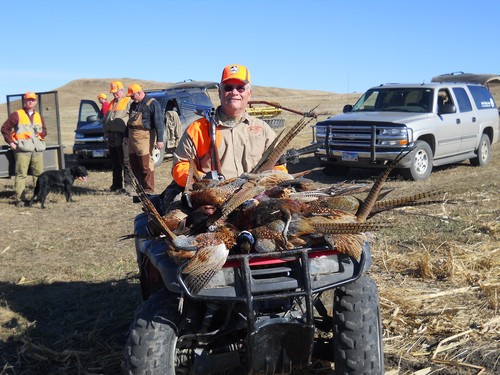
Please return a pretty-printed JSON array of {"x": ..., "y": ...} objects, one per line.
[{"x": 25, "y": 131}]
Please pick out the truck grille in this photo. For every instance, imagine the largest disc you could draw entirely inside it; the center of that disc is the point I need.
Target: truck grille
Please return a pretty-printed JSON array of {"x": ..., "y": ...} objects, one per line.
[
  {"x": 349, "y": 137},
  {"x": 362, "y": 137}
]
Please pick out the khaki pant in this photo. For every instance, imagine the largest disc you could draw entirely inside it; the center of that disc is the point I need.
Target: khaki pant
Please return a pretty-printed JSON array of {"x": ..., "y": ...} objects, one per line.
[
  {"x": 174, "y": 128},
  {"x": 23, "y": 161},
  {"x": 140, "y": 146}
]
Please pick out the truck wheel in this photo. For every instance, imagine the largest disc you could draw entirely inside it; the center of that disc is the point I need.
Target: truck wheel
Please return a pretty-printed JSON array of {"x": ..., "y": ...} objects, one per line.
[
  {"x": 152, "y": 338},
  {"x": 421, "y": 162},
  {"x": 357, "y": 329},
  {"x": 158, "y": 156},
  {"x": 483, "y": 153}
]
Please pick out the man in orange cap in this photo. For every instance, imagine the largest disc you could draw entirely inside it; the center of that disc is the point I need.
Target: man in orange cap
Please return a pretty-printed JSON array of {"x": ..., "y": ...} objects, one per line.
[
  {"x": 240, "y": 139},
  {"x": 145, "y": 129},
  {"x": 25, "y": 131},
  {"x": 114, "y": 125},
  {"x": 102, "y": 97}
]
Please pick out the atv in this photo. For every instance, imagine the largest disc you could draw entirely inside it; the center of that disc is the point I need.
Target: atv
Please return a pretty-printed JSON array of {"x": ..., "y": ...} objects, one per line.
[{"x": 272, "y": 313}]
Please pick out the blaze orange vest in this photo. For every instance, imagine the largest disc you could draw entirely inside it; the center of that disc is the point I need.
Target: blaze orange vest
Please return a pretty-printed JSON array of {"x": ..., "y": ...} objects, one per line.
[
  {"x": 117, "y": 115},
  {"x": 25, "y": 128}
]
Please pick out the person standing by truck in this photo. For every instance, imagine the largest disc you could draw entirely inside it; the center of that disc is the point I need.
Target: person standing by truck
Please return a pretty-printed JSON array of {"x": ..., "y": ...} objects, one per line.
[
  {"x": 103, "y": 99},
  {"x": 114, "y": 125},
  {"x": 25, "y": 131},
  {"x": 145, "y": 128}
]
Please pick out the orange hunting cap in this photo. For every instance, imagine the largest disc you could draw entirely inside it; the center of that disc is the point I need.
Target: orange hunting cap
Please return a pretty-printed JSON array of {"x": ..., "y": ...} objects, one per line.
[
  {"x": 236, "y": 71},
  {"x": 133, "y": 88},
  {"x": 30, "y": 95},
  {"x": 115, "y": 86},
  {"x": 102, "y": 95}
]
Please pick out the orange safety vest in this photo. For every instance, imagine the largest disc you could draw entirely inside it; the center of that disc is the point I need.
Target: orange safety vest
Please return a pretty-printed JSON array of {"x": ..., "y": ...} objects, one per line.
[
  {"x": 121, "y": 105},
  {"x": 199, "y": 133},
  {"x": 25, "y": 128},
  {"x": 117, "y": 110}
]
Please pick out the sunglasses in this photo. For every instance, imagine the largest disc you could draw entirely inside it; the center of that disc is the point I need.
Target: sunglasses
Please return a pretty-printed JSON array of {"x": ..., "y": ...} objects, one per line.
[{"x": 239, "y": 88}]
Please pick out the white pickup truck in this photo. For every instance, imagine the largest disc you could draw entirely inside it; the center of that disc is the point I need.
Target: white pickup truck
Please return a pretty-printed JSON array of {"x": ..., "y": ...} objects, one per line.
[{"x": 445, "y": 122}]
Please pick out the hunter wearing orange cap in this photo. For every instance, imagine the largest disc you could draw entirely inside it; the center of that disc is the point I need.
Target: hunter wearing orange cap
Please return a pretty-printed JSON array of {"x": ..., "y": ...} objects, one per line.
[
  {"x": 102, "y": 97},
  {"x": 240, "y": 139},
  {"x": 114, "y": 125},
  {"x": 25, "y": 131},
  {"x": 145, "y": 129}
]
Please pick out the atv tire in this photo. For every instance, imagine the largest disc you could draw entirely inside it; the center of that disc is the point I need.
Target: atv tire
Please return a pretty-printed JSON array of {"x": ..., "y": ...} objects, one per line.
[
  {"x": 357, "y": 329},
  {"x": 152, "y": 339}
]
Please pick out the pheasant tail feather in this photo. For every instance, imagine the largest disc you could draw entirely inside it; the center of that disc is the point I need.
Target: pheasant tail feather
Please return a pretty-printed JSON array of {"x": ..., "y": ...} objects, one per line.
[{"x": 367, "y": 205}]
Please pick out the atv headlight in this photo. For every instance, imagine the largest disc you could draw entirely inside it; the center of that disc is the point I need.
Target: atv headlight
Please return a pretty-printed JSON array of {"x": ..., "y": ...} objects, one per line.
[{"x": 323, "y": 265}]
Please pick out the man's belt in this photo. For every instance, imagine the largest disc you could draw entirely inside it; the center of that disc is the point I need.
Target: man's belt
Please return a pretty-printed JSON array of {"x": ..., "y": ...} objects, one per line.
[{"x": 137, "y": 127}]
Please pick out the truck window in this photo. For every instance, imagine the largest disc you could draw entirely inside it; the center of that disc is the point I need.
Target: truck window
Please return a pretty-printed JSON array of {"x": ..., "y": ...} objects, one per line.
[
  {"x": 366, "y": 102},
  {"x": 444, "y": 97},
  {"x": 482, "y": 97},
  {"x": 87, "y": 110},
  {"x": 463, "y": 102},
  {"x": 404, "y": 100}
]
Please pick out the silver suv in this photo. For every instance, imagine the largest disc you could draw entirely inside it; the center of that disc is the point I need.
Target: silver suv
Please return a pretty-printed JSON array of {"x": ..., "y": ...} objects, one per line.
[{"x": 446, "y": 122}]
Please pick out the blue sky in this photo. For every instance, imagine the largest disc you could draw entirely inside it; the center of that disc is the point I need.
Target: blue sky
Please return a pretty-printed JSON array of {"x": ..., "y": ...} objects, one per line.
[{"x": 330, "y": 45}]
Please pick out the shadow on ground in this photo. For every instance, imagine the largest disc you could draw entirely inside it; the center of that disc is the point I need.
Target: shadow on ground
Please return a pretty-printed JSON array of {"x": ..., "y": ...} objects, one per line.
[
  {"x": 354, "y": 175},
  {"x": 71, "y": 328}
]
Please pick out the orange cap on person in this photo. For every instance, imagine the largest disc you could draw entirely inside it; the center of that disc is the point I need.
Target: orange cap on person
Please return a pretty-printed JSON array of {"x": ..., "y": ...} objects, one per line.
[
  {"x": 30, "y": 95},
  {"x": 102, "y": 95},
  {"x": 133, "y": 88},
  {"x": 115, "y": 86},
  {"x": 236, "y": 71}
]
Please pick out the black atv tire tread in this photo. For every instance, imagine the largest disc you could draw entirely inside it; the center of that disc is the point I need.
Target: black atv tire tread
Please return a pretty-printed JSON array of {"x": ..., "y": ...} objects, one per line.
[
  {"x": 357, "y": 329},
  {"x": 152, "y": 337}
]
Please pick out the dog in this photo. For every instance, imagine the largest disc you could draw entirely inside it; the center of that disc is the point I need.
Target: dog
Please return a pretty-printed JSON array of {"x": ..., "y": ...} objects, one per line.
[{"x": 50, "y": 180}]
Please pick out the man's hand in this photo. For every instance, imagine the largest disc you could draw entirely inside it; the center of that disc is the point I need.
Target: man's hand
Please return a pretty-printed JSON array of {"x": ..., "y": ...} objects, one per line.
[
  {"x": 159, "y": 145},
  {"x": 13, "y": 145}
]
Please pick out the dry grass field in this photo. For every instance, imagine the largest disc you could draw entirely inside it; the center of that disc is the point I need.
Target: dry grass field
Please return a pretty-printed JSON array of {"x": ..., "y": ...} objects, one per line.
[{"x": 69, "y": 287}]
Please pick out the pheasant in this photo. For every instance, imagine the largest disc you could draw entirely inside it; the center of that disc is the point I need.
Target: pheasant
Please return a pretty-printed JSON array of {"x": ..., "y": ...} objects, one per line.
[{"x": 205, "y": 253}]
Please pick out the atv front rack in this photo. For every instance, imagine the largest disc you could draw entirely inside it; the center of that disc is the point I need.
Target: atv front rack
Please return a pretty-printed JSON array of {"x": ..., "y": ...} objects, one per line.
[{"x": 255, "y": 277}]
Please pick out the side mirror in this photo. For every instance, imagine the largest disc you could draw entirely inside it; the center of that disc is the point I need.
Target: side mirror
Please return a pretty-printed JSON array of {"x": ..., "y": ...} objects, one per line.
[
  {"x": 92, "y": 118},
  {"x": 347, "y": 108}
]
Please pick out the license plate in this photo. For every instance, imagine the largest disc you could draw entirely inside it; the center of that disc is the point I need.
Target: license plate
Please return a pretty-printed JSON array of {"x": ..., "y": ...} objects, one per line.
[
  {"x": 98, "y": 153},
  {"x": 349, "y": 156}
]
